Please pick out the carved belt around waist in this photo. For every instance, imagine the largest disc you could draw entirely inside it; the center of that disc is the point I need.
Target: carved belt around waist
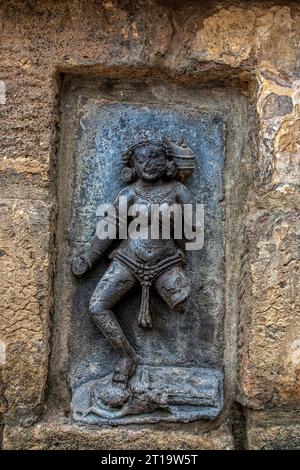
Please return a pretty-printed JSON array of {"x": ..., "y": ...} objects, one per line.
[{"x": 146, "y": 274}]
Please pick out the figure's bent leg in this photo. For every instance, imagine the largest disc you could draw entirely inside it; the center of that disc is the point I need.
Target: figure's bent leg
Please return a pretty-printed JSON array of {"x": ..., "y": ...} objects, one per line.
[
  {"x": 111, "y": 288},
  {"x": 173, "y": 287}
]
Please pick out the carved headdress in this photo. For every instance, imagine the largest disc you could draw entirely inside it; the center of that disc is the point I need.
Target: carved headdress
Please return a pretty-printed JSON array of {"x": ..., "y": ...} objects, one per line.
[
  {"x": 180, "y": 158},
  {"x": 128, "y": 172},
  {"x": 182, "y": 155}
]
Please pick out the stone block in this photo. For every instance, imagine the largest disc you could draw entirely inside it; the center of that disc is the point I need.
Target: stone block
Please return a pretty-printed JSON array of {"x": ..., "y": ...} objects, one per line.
[
  {"x": 273, "y": 431},
  {"x": 25, "y": 303},
  {"x": 269, "y": 324},
  {"x": 60, "y": 435}
]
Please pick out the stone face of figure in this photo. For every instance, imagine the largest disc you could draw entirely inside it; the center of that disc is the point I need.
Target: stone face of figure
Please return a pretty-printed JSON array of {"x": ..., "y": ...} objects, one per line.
[
  {"x": 159, "y": 263},
  {"x": 149, "y": 163}
]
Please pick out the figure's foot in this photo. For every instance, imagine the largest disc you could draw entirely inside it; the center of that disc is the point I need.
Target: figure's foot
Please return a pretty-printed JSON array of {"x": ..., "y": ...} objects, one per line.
[
  {"x": 125, "y": 368},
  {"x": 111, "y": 394}
]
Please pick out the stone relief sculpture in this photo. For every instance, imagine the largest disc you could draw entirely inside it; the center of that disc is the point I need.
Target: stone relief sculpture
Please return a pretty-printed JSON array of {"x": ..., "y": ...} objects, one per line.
[{"x": 154, "y": 171}]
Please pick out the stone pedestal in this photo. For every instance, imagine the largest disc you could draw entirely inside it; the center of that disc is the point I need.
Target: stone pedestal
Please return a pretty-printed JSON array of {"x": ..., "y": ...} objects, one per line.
[{"x": 154, "y": 394}]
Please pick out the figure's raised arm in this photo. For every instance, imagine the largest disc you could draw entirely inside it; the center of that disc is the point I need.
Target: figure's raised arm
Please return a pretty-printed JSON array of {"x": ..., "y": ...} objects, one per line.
[{"x": 101, "y": 240}]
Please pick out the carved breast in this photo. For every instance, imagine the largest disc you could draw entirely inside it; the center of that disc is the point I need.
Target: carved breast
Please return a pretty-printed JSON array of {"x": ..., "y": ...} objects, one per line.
[{"x": 150, "y": 242}]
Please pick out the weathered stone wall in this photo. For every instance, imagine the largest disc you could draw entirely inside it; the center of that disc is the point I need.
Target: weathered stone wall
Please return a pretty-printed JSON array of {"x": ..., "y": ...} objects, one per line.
[{"x": 253, "y": 46}]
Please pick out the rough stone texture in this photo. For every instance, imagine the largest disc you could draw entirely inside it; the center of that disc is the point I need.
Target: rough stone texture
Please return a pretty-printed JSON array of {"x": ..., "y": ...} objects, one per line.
[
  {"x": 270, "y": 342},
  {"x": 58, "y": 435},
  {"x": 276, "y": 105},
  {"x": 254, "y": 43},
  {"x": 25, "y": 301},
  {"x": 281, "y": 437},
  {"x": 214, "y": 43},
  {"x": 273, "y": 431}
]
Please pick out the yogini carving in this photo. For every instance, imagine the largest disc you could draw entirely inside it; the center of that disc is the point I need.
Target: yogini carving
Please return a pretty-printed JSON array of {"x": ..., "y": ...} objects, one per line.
[
  {"x": 150, "y": 168},
  {"x": 154, "y": 171}
]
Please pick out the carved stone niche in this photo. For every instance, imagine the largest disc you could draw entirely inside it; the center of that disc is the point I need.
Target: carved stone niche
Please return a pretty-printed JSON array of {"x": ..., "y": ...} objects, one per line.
[{"x": 180, "y": 375}]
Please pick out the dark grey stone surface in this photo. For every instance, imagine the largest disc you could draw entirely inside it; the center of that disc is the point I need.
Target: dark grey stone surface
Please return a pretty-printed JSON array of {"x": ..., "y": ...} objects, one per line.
[
  {"x": 155, "y": 394},
  {"x": 194, "y": 339}
]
